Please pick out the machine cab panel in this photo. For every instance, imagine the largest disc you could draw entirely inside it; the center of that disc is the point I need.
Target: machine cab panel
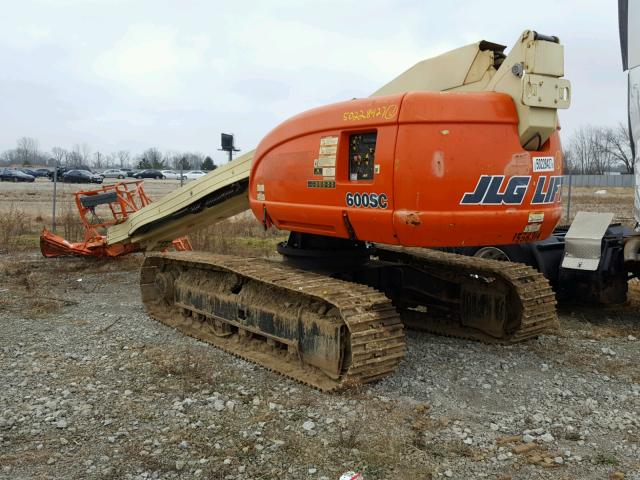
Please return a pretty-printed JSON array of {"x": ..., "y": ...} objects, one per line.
[{"x": 334, "y": 179}]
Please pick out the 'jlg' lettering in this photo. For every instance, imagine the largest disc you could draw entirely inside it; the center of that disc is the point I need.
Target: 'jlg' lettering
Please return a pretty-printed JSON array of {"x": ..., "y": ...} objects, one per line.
[
  {"x": 498, "y": 190},
  {"x": 494, "y": 190}
]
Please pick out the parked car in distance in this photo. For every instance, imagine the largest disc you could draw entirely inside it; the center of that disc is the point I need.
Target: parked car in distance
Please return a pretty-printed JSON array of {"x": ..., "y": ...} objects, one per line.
[
  {"x": 81, "y": 176},
  {"x": 193, "y": 174},
  {"x": 149, "y": 173},
  {"x": 29, "y": 171},
  {"x": 131, "y": 173},
  {"x": 11, "y": 175},
  {"x": 62, "y": 170},
  {"x": 113, "y": 173},
  {"x": 171, "y": 174},
  {"x": 43, "y": 172}
]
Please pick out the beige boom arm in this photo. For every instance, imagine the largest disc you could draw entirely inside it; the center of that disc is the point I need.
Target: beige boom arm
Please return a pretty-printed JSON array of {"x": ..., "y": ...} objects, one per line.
[
  {"x": 530, "y": 74},
  {"x": 218, "y": 195}
]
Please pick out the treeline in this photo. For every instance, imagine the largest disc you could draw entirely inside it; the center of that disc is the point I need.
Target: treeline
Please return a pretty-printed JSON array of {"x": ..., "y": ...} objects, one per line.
[
  {"x": 596, "y": 150},
  {"x": 28, "y": 154}
]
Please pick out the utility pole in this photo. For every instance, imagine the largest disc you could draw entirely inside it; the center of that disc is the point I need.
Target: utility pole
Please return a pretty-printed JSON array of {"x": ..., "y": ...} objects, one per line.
[
  {"x": 55, "y": 184},
  {"x": 569, "y": 200},
  {"x": 181, "y": 170}
]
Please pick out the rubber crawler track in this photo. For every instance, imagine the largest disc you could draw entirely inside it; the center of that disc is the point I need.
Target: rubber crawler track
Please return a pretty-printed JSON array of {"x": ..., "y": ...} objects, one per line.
[
  {"x": 536, "y": 309},
  {"x": 375, "y": 340}
]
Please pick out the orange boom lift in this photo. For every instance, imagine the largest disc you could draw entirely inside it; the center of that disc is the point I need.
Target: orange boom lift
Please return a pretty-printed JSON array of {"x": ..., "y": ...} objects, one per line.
[
  {"x": 460, "y": 150},
  {"x": 420, "y": 169}
]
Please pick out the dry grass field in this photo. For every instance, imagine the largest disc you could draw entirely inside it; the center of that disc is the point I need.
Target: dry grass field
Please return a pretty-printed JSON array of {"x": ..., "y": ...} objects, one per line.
[
  {"x": 616, "y": 200},
  {"x": 26, "y": 208}
]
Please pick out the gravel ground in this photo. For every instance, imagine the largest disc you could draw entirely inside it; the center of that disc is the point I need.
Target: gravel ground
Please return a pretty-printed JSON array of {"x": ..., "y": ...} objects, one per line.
[{"x": 91, "y": 387}]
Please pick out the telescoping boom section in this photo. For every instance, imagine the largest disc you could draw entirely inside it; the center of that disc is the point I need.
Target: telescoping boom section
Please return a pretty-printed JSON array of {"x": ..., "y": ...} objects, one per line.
[{"x": 216, "y": 196}]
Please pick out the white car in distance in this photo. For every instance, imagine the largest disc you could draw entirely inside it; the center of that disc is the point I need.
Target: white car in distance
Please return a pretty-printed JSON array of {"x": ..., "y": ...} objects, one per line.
[
  {"x": 114, "y": 173},
  {"x": 193, "y": 174},
  {"x": 171, "y": 175}
]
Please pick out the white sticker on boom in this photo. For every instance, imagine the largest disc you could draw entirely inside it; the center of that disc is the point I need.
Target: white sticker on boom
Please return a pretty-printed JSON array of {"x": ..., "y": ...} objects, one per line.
[
  {"x": 532, "y": 227},
  {"x": 329, "y": 172},
  {"x": 544, "y": 164},
  {"x": 536, "y": 217},
  {"x": 328, "y": 149},
  {"x": 325, "y": 161}
]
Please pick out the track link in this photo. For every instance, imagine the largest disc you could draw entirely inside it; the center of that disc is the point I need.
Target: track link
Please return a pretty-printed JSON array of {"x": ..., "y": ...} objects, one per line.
[
  {"x": 326, "y": 333},
  {"x": 498, "y": 302}
]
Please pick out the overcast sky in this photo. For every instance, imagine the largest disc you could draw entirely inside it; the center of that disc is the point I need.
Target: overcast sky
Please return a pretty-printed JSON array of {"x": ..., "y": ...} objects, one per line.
[{"x": 174, "y": 74}]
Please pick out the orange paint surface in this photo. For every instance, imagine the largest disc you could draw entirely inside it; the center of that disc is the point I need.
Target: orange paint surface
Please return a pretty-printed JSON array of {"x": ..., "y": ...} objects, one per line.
[{"x": 431, "y": 148}]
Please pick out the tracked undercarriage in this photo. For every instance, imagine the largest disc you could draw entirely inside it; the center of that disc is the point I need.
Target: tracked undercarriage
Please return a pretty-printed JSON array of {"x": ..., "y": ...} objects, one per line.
[
  {"x": 337, "y": 328},
  {"x": 467, "y": 297},
  {"x": 324, "y": 332}
]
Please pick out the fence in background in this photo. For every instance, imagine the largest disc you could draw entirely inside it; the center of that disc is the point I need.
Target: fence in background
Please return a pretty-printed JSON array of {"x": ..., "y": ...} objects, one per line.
[{"x": 600, "y": 180}]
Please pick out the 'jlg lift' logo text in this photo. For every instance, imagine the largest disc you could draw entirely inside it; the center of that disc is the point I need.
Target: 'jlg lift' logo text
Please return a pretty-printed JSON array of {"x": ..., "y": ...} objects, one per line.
[{"x": 498, "y": 190}]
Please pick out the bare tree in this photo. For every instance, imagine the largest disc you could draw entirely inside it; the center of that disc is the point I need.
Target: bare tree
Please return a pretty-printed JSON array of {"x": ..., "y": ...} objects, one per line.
[
  {"x": 58, "y": 154},
  {"x": 176, "y": 161},
  {"x": 601, "y": 151},
  {"x": 168, "y": 158},
  {"x": 578, "y": 151},
  {"x": 111, "y": 160},
  {"x": 81, "y": 154},
  {"x": 9, "y": 157},
  {"x": 98, "y": 160},
  {"x": 567, "y": 161},
  {"x": 85, "y": 150},
  {"x": 589, "y": 151},
  {"x": 27, "y": 150},
  {"x": 74, "y": 158},
  {"x": 193, "y": 160},
  {"x": 619, "y": 144},
  {"x": 123, "y": 158}
]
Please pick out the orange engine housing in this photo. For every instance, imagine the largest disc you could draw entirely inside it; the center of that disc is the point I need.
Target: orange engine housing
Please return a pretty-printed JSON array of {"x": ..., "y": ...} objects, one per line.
[{"x": 427, "y": 169}]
